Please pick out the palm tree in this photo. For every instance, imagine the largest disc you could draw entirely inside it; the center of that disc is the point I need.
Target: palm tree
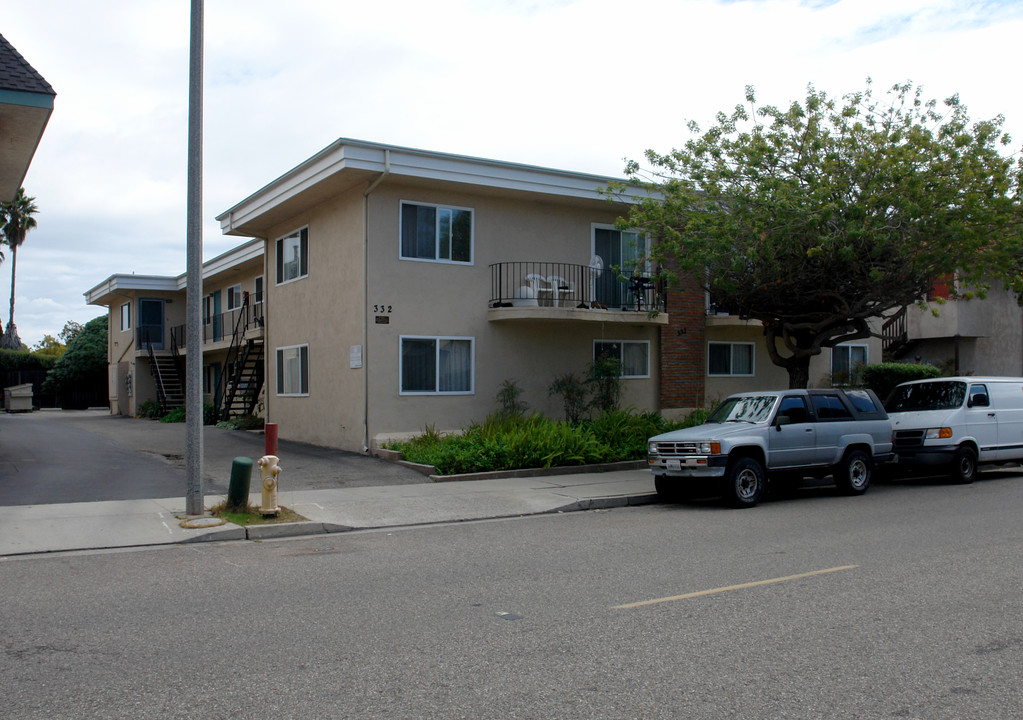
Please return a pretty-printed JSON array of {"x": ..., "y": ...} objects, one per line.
[{"x": 16, "y": 220}]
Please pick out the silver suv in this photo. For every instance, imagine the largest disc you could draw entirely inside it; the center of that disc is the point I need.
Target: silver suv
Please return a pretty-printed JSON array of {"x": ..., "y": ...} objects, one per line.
[{"x": 788, "y": 434}]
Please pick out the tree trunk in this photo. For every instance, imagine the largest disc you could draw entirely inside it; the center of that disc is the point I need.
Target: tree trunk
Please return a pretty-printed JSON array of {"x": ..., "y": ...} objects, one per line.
[
  {"x": 799, "y": 372},
  {"x": 14, "y": 268},
  {"x": 10, "y": 340}
]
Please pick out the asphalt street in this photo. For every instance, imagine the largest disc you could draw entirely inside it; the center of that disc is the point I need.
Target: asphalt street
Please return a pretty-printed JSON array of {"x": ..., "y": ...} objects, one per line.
[
  {"x": 902, "y": 603},
  {"x": 88, "y": 456}
]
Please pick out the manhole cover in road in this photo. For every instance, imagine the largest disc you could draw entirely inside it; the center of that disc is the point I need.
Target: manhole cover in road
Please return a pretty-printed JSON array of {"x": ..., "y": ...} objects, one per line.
[{"x": 202, "y": 522}]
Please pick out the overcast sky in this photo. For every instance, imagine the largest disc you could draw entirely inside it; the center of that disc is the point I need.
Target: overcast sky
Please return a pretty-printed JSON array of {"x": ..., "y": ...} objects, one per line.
[{"x": 567, "y": 84}]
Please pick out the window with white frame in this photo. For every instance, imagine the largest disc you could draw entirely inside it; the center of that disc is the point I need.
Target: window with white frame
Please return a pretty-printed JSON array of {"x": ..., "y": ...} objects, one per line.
[
  {"x": 293, "y": 370},
  {"x": 126, "y": 316},
  {"x": 846, "y": 361},
  {"x": 437, "y": 365},
  {"x": 293, "y": 256},
  {"x": 234, "y": 297},
  {"x": 634, "y": 355},
  {"x": 436, "y": 232},
  {"x": 734, "y": 359}
]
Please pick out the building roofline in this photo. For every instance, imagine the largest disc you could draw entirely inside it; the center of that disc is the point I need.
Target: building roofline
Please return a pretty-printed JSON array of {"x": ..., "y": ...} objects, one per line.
[
  {"x": 346, "y": 154},
  {"x": 251, "y": 250}
]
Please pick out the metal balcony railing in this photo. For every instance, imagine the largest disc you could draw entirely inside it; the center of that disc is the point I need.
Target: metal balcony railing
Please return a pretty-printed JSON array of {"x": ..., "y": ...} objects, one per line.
[
  {"x": 220, "y": 326},
  {"x": 551, "y": 284}
]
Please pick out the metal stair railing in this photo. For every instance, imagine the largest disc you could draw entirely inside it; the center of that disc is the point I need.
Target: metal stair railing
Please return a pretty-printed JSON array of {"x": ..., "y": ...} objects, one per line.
[
  {"x": 154, "y": 369},
  {"x": 224, "y": 394}
]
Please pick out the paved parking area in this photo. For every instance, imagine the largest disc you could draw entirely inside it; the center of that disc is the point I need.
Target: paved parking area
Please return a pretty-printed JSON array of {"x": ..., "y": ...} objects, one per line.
[{"x": 90, "y": 455}]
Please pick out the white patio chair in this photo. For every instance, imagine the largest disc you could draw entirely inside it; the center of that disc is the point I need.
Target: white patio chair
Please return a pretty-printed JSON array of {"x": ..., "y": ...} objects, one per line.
[
  {"x": 541, "y": 290},
  {"x": 562, "y": 291}
]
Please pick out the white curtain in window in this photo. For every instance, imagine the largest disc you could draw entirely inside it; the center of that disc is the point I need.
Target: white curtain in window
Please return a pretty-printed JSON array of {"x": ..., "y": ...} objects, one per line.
[
  {"x": 634, "y": 359},
  {"x": 455, "y": 366},
  {"x": 742, "y": 360}
]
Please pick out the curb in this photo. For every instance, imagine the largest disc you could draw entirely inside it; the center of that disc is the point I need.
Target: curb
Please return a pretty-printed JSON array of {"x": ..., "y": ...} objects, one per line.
[
  {"x": 542, "y": 472},
  {"x": 273, "y": 531},
  {"x": 312, "y": 528}
]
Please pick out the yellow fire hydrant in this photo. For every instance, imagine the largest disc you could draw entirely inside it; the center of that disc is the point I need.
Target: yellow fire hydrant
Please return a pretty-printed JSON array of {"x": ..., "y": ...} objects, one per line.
[{"x": 269, "y": 469}]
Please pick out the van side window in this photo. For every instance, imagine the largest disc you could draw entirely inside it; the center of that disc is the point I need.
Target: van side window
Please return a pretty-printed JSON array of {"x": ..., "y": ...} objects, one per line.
[{"x": 979, "y": 396}]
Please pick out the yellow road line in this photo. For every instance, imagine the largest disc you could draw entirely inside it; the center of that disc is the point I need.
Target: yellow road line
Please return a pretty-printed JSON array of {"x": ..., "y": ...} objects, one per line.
[{"x": 715, "y": 591}]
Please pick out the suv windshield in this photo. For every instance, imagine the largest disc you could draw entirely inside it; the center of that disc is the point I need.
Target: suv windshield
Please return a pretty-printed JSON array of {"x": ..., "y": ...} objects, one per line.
[
  {"x": 752, "y": 409},
  {"x": 938, "y": 395}
]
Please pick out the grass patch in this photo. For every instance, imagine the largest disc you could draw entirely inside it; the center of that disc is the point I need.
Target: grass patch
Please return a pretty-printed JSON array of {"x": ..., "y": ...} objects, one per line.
[{"x": 251, "y": 515}]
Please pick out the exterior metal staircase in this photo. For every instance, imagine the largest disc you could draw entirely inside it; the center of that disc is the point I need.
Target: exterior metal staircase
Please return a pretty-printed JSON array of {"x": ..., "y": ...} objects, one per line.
[
  {"x": 241, "y": 391},
  {"x": 895, "y": 341},
  {"x": 237, "y": 391},
  {"x": 165, "y": 369}
]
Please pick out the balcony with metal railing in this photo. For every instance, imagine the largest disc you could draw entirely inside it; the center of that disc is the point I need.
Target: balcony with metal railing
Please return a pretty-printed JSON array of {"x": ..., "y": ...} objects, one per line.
[
  {"x": 570, "y": 292},
  {"x": 218, "y": 329}
]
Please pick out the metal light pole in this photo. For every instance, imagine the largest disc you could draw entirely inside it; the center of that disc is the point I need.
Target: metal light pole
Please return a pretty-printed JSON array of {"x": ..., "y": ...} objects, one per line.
[{"x": 193, "y": 293}]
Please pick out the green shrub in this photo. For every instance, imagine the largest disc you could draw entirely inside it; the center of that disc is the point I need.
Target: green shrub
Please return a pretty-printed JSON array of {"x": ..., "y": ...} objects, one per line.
[
  {"x": 572, "y": 390},
  {"x": 26, "y": 360},
  {"x": 508, "y": 397},
  {"x": 883, "y": 377},
  {"x": 149, "y": 409},
  {"x": 177, "y": 415},
  {"x": 244, "y": 422},
  {"x": 604, "y": 379},
  {"x": 509, "y": 442}
]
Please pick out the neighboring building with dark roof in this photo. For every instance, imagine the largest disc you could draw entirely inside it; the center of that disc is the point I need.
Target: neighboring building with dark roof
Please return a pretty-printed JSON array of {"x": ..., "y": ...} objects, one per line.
[{"x": 26, "y": 101}]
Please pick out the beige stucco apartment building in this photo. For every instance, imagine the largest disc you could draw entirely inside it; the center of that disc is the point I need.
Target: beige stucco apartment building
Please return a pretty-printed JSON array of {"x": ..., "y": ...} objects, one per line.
[
  {"x": 397, "y": 289},
  {"x": 405, "y": 286},
  {"x": 146, "y": 337}
]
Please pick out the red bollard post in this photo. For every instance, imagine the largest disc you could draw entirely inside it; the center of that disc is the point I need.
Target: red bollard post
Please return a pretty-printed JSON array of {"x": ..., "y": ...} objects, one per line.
[{"x": 270, "y": 431}]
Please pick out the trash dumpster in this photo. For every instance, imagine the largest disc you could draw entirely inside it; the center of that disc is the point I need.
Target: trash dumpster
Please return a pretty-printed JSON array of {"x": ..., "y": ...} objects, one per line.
[{"x": 18, "y": 398}]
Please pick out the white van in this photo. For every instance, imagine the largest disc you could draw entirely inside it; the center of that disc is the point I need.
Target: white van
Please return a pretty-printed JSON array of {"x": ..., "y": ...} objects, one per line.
[{"x": 956, "y": 423}]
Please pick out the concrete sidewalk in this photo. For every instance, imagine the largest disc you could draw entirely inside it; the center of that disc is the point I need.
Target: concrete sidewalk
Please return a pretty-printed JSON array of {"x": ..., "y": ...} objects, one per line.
[{"x": 31, "y": 529}]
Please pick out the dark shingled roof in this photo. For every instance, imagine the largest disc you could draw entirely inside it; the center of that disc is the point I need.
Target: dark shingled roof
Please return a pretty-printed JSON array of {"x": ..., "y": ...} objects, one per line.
[{"x": 17, "y": 74}]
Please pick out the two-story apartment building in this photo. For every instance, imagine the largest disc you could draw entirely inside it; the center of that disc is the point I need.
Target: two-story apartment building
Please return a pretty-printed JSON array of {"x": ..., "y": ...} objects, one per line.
[
  {"x": 404, "y": 286},
  {"x": 146, "y": 342},
  {"x": 964, "y": 337},
  {"x": 395, "y": 289}
]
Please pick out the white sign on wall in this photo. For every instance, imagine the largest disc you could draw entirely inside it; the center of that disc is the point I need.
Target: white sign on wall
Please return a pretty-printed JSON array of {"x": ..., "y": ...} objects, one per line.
[{"x": 355, "y": 356}]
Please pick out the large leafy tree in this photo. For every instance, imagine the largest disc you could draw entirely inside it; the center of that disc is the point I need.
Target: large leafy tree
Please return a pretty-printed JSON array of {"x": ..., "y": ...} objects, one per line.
[
  {"x": 16, "y": 219},
  {"x": 816, "y": 218},
  {"x": 84, "y": 364}
]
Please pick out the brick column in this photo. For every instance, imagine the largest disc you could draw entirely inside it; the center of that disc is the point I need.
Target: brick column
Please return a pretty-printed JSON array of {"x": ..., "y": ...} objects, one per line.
[{"x": 684, "y": 347}]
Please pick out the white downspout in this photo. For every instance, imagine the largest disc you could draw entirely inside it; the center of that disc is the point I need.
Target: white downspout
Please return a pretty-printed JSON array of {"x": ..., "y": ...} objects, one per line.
[{"x": 365, "y": 298}]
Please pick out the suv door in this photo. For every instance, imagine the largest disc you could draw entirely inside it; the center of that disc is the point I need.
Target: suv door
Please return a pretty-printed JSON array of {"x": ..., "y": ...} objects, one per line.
[
  {"x": 792, "y": 444},
  {"x": 833, "y": 419}
]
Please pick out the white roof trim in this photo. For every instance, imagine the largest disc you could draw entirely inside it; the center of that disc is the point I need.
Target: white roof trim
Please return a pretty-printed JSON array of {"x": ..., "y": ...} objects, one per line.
[
  {"x": 252, "y": 250},
  {"x": 348, "y": 154}
]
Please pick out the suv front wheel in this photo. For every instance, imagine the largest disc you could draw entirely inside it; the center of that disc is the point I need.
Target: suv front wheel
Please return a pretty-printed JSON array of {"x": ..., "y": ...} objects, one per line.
[{"x": 745, "y": 483}]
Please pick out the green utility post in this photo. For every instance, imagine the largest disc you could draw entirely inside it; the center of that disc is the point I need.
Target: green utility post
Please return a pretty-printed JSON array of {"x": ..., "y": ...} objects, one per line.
[{"x": 238, "y": 490}]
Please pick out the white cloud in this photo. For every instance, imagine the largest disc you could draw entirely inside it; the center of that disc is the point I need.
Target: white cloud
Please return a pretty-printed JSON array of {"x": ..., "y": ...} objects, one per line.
[{"x": 572, "y": 84}]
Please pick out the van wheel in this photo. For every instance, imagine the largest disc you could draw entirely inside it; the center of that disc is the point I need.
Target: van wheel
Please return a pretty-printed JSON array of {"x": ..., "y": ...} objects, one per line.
[
  {"x": 745, "y": 483},
  {"x": 963, "y": 469},
  {"x": 854, "y": 472}
]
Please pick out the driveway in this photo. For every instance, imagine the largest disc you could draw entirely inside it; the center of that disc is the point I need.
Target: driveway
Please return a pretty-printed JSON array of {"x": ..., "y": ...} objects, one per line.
[{"x": 90, "y": 455}]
